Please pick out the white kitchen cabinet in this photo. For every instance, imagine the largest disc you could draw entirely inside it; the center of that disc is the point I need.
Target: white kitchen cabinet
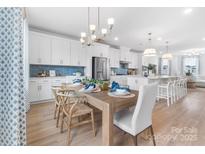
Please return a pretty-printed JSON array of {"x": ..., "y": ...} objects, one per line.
[
  {"x": 33, "y": 91},
  {"x": 125, "y": 54},
  {"x": 60, "y": 51},
  {"x": 39, "y": 48},
  {"x": 39, "y": 90},
  {"x": 99, "y": 50},
  {"x": 114, "y": 55},
  {"x": 45, "y": 91},
  {"x": 133, "y": 60},
  {"x": 78, "y": 54}
]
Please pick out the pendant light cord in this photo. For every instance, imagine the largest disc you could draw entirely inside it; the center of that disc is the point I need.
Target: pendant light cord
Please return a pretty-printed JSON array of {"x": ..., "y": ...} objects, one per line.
[
  {"x": 167, "y": 46},
  {"x": 98, "y": 18},
  {"x": 149, "y": 39},
  {"x": 88, "y": 19}
]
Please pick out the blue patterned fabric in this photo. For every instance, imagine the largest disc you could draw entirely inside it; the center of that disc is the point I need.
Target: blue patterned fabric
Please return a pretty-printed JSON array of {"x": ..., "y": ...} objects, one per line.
[{"x": 12, "y": 95}]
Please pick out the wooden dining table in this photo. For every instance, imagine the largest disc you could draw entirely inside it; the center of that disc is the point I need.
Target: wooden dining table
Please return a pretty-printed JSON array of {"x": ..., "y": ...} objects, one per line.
[{"x": 109, "y": 105}]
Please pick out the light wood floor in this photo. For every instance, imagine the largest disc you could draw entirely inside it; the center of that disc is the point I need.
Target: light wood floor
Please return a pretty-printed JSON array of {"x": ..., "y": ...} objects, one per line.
[{"x": 181, "y": 124}]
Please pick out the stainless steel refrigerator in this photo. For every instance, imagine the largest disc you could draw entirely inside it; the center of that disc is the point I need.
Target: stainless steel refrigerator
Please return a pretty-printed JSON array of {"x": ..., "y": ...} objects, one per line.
[{"x": 99, "y": 68}]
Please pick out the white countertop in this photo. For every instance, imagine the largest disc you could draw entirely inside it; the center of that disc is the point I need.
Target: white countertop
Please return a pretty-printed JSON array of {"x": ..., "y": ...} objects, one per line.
[{"x": 149, "y": 77}]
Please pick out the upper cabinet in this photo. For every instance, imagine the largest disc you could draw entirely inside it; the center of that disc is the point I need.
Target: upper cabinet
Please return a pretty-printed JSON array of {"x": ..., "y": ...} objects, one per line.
[
  {"x": 60, "y": 51},
  {"x": 133, "y": 60},
  {"x": 99, "y": 50},
  {"x": 78, "y": 54},
  {"x": 125, "y": 54},
  {"x": 39, "y": 48},
  {"x": 114, "y": 55}
]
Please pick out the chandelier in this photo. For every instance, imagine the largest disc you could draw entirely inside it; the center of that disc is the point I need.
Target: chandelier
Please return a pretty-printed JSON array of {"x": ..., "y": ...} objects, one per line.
[
  {"x": 167, "y": 55},
  {"x": 96, "y": 33},
  {"x": 150, "y": 51}
]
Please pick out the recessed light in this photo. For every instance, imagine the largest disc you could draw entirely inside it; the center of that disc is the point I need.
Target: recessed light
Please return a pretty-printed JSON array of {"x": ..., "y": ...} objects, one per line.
[
  {"x": 188, "y": 11},
  {"x": 116, "y": 38},
  {"x": 159, "y": 38},
  {"x": 203, "y": 39}
]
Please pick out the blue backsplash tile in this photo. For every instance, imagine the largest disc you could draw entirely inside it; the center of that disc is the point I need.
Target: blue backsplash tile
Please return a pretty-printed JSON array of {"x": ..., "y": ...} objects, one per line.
[
  {"x": 60, "y": 70},
  {"x": 120, "y": 71}
]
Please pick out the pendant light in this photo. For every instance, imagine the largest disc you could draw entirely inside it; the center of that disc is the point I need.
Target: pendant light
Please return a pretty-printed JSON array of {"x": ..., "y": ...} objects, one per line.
[
  {"x": 150, "y": 51},
  {"x": 167, "y": 55},
  {"x": 96, "y": 33}
]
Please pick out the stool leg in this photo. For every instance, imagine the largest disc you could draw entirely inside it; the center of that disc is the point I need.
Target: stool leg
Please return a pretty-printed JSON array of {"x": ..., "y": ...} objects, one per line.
[{"x": 167, "y": 96}]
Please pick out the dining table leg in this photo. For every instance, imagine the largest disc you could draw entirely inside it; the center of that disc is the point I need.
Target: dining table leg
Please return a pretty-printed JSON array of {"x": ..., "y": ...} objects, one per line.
[{"x": 107, "y": 125}]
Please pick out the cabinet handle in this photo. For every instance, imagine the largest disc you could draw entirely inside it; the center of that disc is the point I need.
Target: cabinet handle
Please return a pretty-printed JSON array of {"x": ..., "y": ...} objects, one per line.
[
  {"x": 39, "y": 88},
  {"x": 61, "y": 61},
  {"x": 78, "y": 62}
]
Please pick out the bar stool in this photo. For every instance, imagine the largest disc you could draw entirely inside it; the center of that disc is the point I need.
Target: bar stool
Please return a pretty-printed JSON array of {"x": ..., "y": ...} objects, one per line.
[{"x": 165, "y": 91}]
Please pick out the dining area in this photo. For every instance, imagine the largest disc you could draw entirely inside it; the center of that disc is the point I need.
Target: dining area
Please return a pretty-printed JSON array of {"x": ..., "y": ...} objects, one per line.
[{"x": 129, "y": 110}]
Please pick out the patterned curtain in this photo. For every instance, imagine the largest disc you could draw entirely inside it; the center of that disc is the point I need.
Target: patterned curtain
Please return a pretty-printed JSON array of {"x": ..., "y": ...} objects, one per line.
[{"x": 12, "y": 95}]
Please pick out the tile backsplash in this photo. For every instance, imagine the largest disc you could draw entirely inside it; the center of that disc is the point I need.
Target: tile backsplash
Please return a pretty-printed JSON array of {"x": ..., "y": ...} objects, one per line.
[
  {"x": 60, "y": 70},
  {"x": 120, "y": 71}
]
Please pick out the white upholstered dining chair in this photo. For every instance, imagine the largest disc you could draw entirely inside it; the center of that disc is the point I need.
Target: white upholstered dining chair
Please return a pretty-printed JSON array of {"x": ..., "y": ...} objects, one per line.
[{"x": 140, "y": 118}]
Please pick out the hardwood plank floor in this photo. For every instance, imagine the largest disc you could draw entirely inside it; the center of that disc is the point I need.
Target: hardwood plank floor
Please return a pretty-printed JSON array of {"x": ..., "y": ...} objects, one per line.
[{"x": 180, "y": 124}]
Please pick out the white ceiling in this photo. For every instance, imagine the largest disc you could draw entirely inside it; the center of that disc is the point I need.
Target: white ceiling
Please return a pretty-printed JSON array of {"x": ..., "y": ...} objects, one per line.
[{"x": 131, "y": 25}]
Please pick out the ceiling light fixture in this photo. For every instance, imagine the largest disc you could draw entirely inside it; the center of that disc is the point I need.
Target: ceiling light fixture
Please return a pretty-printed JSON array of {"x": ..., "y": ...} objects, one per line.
[
  {"x": 150, "y": 51},
  {"x": 188, "y": 11},
  {"x": 116, "y": 38},
  {"x": 203, "y": 39},
  {"x": 159, "y": 38},
  {"x": 94, "y": 33},
  {"x": 167, "y": 55}
]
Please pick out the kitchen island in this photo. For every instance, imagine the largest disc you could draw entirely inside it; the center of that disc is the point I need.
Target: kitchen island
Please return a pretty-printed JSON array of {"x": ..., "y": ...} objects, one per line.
[{"x": 135, "y": 81}]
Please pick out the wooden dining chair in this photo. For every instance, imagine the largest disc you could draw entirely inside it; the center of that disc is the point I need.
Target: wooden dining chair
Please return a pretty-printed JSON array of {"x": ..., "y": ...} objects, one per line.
[
  {"x": 55, "y": 89},
  {"x": 139, "y": 119},
  {"x": 58, "y": 105},
  {"x": 74, "y": 107}
]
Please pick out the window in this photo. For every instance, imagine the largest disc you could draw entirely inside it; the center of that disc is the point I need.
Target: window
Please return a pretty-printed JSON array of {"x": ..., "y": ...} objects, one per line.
[
  {"x": 165, "y": 67},
  {"x": 191, "y": 65}
]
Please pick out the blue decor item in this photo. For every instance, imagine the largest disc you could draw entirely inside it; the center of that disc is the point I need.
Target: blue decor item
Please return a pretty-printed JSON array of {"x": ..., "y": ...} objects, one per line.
[
  {"x": 60, "y": 70},
  {"x": 90, "y": 85},
  {"x": 116, "y": 86}
]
